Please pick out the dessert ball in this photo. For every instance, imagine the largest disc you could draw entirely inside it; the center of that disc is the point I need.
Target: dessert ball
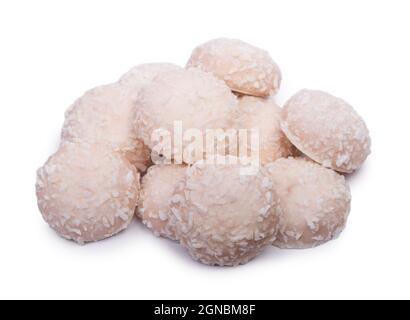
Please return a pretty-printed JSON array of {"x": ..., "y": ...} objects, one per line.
[
  {"x": 225, "y": 218},
  {"x": 315, "y": 202},
  {"x": 143, "y": 74},
  {"x": 87, "y": 193},
  {"x": 193, "y": 99},
  {"x": 104, "y": 116},
  {"x": 264, "y": 115},
  {"x": 156, "y": 195},
  {"x": 326, "y": 129},
  {"x": 245, "y": 68}
]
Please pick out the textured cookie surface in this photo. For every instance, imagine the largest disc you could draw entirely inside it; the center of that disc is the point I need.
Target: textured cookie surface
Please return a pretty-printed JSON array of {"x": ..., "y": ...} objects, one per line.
[
  {"x": 326, "y": 129},
  {"x": 143, "y": 74},
  {"x": 264, "y": 116},
  {"x": 104, "y": 116},
  {"x": 245, "y": 68},
  {"x": 156, "y": 194},
  {"x": 225, "y": 218},
  {"x": 315, "y": 202},
  {"x": 193, "y": 98},
  {"x": 87, "y": 193}
]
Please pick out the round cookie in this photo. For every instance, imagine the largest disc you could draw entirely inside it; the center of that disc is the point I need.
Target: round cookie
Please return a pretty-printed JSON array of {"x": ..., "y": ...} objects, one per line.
[
  {"x": 157, "y": 189},
  {"x": 315, "y": 202},
  {"x": 194, "y": 99},
  {"x": 326, "y": 129},
  {"x": 245, "y": 68},
  {"x": 87, "y": 193},
  {"x": 223, "y": 217},
  {"x": 104, "y": 116},
  {"x": 264, "y": 115}
]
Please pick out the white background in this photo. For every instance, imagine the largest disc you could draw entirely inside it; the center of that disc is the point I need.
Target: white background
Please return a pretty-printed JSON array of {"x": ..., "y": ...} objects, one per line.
[{"x": 52, "y": 51}]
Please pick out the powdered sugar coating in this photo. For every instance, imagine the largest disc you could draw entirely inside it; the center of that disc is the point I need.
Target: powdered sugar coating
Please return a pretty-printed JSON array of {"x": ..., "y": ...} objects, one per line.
[
  {"x": 264, "y": 114},
  {"x": 244, "y": 68},
  {"x": 104, "y": 116},
  {"x": 87, "y": 193},
  {"x": 192, "y": 97},
  {"x": 155, "y": 198},
  {"x": 315, "y": 202},
  {"x": 327, "y": 129},
  {"x": 225, "y": 218}
]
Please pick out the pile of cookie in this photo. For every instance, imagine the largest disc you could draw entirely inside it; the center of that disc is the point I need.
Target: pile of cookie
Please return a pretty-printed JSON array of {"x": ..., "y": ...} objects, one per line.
[{"x": 127, "y": 150}]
